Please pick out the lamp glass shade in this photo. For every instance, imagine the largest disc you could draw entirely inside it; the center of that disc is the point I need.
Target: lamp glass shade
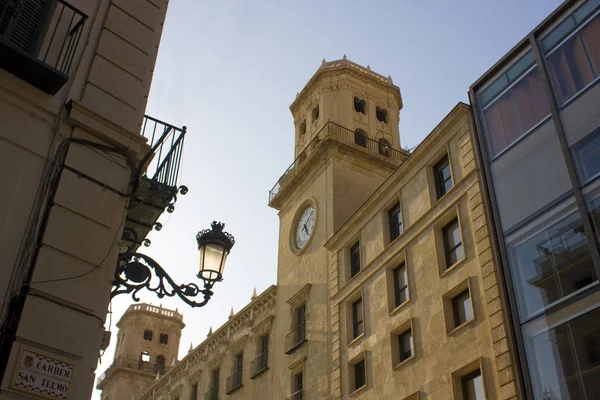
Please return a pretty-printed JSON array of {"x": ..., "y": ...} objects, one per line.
[{"x": 212, "y": 261}]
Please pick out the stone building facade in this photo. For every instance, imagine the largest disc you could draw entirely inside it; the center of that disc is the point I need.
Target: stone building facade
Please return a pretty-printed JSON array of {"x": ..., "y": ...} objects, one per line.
[
  {"x": 74, "y": 82},
  {"x": 387, "y": 285}
]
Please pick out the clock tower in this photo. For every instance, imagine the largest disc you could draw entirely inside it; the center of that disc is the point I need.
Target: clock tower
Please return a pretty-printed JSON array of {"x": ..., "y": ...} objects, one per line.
[{"x": 346, "y": 144}]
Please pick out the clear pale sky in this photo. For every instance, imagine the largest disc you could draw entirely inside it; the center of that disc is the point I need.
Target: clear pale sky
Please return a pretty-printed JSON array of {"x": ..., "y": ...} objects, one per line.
[{"x": 229, "y": 70}]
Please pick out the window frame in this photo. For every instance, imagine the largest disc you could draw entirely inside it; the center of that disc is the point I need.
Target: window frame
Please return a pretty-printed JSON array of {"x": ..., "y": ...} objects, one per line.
[
  {"x": 390, "y": 266},
  {"x": 361, "y": 99},
  {"x": 355, "y": 255},
  {"x": 361, "y": 137},
  {"x": 435, "y": 174},
  {"x": 468, "y": 370},
  {"x": 396, "y": 347},
  {"x": 350, "y": 326},
  {"x": 358, "y": 320},
  {"x": 352, "y": 388},
  {"x": 148, "y": 335},
  {"x": 400, "y": 225},
  {"x": 446, "y": 246},
  {"x": 449, "y": 309}
]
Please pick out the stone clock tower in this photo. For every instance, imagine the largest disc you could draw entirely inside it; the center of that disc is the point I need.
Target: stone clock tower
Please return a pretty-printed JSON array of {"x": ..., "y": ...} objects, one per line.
[{"x": 346, "y": 144}]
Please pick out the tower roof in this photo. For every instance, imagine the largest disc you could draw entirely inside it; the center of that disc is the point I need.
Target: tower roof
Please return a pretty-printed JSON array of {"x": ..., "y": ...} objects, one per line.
[{"x": 344, "y": 63}]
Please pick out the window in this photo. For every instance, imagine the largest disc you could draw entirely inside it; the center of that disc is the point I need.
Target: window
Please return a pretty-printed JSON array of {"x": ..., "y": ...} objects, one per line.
[
  {"x": 360, "y": 137},
  {"x": 472, "y": 386},
  {"x": 382, "y": 114},
  {"x": 261, "y": 362},
  {"x": 213, "y": 392},
  {"x": 549, "y": 260},
  {"x": 400, "y": 285},
  {"x": 315, "y": 113},
  {"x": 564, "y": 356},
  {"x": 586, "y": 154},
  {"x": 297, "y": 391},
  {"x": 576, "y": 62},
  {"x": 453, "y": 247},
  {"x": 302, "y": 128},
  {"x": 359, "y": 375},
  {"x": 194, "y": 392},
  {"x": 235, "y": 380},
  {"x": 405, "y": 345},
  {"x": 160, "y": 364},
  {"x": 360, "y": 105},
  {"x": 442, "y": 177},
  {"x": 355, "y": 259},
  {"x": 357, "y": 318},
  {"x": 384, "y": 146},
  {"x": 462, "y": 309},
  {"x": 164, "y": 338},
  {"x": 297, "y": 335},
  {"x": 148, "y": 335},
  {"x": 513, "y": 104},
  {"x": 395, "y": 221},
  {"x": 145, "y": 356}
]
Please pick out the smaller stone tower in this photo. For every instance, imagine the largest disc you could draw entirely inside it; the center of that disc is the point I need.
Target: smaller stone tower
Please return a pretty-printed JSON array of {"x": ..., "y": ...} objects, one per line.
[{"x": 147, "y": 345}]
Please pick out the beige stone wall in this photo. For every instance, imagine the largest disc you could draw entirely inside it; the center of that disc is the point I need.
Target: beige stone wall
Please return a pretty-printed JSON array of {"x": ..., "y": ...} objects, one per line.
[
  {"x": 63, "y": 239},
  {"x": 439, "y": 354}
]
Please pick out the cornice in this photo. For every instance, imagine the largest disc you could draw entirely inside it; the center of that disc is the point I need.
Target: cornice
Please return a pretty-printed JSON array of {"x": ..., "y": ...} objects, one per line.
[
  {"x": 300, "y": 296},
  {"x": 219, "y": 340}
]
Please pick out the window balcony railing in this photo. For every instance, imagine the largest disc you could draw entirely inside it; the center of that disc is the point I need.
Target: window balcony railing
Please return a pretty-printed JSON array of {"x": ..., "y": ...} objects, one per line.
[
  {"x": 295, "y": 338},
  {"x": 234, "y": 382},
  {"x": 355, "y": 139},
  {"x": 166, "y": 141},
  {"x": 259, "y": 365},
  {"x": 212, "y": 394},
  {"x": 298, "y": 395},
  {"x": 39, "y": 39}
]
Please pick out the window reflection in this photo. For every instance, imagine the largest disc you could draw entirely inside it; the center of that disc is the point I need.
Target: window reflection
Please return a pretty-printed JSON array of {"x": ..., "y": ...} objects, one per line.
[
  {"x": 565, "y": 360},
  {"x": 586, "y": 154},
  {"x": 551, "y": 264}
]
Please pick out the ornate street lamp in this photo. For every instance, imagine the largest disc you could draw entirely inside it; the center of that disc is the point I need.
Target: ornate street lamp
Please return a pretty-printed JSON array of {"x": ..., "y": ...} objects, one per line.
[{"x": 134, "y": 270}]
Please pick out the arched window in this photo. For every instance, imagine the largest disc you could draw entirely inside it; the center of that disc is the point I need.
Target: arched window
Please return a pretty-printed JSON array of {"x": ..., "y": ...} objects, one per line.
[
  {"x": 360, "y": 137},
  {"x": 164, "y": 338},
  {"x": 148, "y": 335},
  {"x": 145, "y": 356},
  {"x": 160, "y": 364},
  {"x": 315, "y": 113},
  {"x": 302, "y": 128},
  {"x": 382, "y": 114},
  {"x": 360, "y": 105},
  {"x": 384, "y": 147}
]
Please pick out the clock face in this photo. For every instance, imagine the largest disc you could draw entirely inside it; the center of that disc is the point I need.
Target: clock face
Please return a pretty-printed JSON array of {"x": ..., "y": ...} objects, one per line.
[{"x": 304, "y": 227}]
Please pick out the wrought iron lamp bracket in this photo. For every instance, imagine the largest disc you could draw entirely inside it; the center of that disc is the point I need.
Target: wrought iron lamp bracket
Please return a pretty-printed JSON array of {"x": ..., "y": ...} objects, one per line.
[{"x": 135, "y": 272}]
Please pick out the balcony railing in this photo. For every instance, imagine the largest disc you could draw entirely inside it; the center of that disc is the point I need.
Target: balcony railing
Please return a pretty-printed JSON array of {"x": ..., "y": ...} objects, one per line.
[
  {"x": 212, "y": 394},
  {"x": 296, "y": 395},
  {"x": 234, "y": 382},
  {"x": 144, "y": 366},
  {"x": 295, "y": 338},
  {"x": 39, "y": 39},
  {"x": 344, "y": 135},
  {"x": 166, "y": 141},
  {"x": 259, "y": 365}
]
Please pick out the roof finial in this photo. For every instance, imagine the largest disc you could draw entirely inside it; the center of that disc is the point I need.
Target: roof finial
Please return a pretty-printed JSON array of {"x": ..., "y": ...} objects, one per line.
[
  {"x": 323, "y": 62},
  {"x": 344, "y": 58},
  {"x": 368, "y": 67},
  {"x": 390, "y": 79},
  {"x": 209, "y": 332},
  {"x": 231, "y": 314},
  {"x": 254, "y": 295},
  {"x": 191, "y": 347}
]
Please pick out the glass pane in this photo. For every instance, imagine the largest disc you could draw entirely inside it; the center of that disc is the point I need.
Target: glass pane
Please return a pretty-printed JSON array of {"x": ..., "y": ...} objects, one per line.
[
  {"x": 569, "y": 68},
  {"x": 565, "y": 360},
  {"x": 406, "y": 345},
  {"x": 472, "y": 386},
  {"x": 594, "y": 212},
  {"x": 586, "y": 155},
  {"x": 591, "y": 37},
  {"x": 586, "y": 9},
  {"x": 551, "y": 264},
  {"x": 529, "y": 176},
  {"x": 463, "y": 311},
  {"x": 531, "y": 101},
  {"x": 501, "y": 124},
  {"x": 557, "y": 34}
]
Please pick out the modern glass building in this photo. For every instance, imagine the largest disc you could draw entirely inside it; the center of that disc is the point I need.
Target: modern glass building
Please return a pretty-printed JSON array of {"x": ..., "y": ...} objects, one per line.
[{"x": 537, "y": 113}]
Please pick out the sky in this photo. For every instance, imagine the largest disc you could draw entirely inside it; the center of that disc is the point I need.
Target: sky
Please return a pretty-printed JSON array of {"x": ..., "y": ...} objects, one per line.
[{"x": 228, "y": 70}]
